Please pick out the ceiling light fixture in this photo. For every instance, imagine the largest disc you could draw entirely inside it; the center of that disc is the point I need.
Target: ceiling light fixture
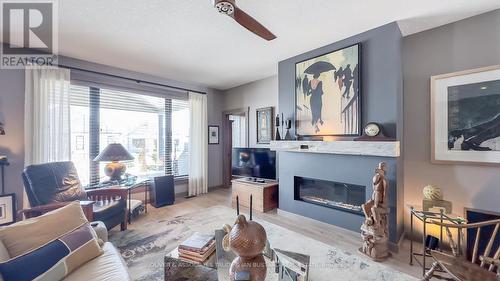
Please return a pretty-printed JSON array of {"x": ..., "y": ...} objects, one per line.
[{"x": 225, "y": 7}]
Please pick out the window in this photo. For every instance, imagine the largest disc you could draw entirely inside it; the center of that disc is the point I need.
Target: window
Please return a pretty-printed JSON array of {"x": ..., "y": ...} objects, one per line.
[
  {"x": 180, "y": 137},
  {"x": 138, "y": 122},
  {"x": 79, "y": 126}
]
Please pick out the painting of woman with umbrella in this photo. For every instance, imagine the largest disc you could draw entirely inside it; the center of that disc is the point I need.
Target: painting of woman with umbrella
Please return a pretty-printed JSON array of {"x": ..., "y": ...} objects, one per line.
[
  {"x": 327, "y": 94},
  {"x": 314, "y": 88}
]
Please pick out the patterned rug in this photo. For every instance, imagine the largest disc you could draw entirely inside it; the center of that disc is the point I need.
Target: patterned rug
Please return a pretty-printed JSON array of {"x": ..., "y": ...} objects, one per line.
[{"x": 143, "y": 249}]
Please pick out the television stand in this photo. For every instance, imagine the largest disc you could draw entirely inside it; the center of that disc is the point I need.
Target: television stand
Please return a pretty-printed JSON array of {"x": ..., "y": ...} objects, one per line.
[{"x": 264, "y": 193}]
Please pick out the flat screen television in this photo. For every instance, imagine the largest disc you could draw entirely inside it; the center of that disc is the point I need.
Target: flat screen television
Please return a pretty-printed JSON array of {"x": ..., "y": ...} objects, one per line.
[{"x": 254, "y": 162}]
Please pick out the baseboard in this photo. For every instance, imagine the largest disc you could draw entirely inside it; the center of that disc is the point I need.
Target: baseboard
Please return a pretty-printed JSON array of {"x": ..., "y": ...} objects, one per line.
[
  {"x": 210, "y": 189},
  {"x": 216, "y": 187},
  {"x": 393, "y": 247}
]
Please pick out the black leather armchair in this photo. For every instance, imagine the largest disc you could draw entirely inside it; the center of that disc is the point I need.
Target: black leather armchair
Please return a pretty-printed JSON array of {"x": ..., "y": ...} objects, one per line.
[{"x": 51, "y": 185}]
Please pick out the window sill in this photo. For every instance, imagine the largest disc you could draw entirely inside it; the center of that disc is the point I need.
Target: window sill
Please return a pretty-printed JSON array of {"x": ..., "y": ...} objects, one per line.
[{"x": 181, "y": 179}]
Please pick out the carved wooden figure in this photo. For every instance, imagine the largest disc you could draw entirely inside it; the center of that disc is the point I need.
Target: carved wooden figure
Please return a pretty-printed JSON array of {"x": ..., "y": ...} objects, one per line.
[{"x": 375, "y": 229}]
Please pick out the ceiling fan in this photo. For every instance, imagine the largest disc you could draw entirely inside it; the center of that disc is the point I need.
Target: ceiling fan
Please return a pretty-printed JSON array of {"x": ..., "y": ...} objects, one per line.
[{"x": 228, "y": 7}]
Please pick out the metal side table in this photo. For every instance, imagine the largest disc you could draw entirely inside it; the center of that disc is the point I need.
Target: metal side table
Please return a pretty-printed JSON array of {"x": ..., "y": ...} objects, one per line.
[{"x": 426, "y": 217}]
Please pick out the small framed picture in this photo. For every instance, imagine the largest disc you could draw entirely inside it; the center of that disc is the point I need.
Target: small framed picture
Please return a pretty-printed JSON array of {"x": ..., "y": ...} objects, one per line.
[
  {"x": 264, "y": 125},
  {"x": 466, "y": 117},
  {"x": 213, "y": 134},
  {"x": 7, "y": 209}
]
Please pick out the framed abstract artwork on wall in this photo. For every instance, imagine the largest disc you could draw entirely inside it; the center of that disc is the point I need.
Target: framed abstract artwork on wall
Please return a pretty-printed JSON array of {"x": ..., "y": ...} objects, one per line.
[
  {"x": 264, "y": 125},
  {"x": 465, "y": 116},
  {"x": 327, "y": 94}
]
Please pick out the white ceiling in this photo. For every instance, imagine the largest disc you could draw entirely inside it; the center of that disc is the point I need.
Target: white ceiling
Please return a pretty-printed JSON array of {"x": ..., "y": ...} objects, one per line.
[{"x": 189, "y": 41}]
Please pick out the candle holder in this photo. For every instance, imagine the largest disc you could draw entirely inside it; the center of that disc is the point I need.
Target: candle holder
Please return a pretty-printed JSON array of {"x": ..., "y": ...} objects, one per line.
[
  {"x": 288, "y": 124},
  {"x": 277, "y": 135}
]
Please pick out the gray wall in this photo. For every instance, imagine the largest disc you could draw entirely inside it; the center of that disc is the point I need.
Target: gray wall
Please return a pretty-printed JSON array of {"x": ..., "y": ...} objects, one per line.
[
  {"x": 467, "y": 44},
  {"x": 258, "y": 94},
  {"x": 12, "y": 114},
  {"x": 382, "y": 102},
  {"x": 381, "y": 81}
]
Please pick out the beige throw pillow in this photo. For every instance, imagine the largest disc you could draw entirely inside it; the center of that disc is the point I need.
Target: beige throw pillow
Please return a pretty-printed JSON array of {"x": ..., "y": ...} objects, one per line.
[
  {"x": 63, "y": 236},
  {"x": 30, "y": 234}
]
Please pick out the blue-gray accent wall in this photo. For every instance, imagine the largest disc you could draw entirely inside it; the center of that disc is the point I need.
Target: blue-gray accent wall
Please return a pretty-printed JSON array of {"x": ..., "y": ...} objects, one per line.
[{"x": 381, "y": 102}]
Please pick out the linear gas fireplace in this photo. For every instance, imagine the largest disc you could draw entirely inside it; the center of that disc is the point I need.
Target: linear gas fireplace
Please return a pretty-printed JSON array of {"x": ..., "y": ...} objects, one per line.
[{"x": 336, "y": 195}]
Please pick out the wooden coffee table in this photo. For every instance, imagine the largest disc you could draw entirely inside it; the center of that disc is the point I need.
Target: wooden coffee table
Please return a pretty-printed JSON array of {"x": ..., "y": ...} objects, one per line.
[
  {"x": 175, "y": 269},
  {"x": 216, "y": 267}
]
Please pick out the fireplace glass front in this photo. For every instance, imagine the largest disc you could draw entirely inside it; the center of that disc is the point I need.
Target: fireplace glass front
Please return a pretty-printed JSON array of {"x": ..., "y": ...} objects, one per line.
[{"x": 336, "y": 195}]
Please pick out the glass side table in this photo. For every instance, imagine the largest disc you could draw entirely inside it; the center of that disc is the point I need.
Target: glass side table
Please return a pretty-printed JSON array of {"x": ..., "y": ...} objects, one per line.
[{"x": 427, "y": 217}]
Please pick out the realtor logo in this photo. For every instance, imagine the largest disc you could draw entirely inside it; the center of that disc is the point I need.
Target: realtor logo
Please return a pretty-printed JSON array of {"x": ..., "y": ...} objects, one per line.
[{"x": 29, "y": 34}]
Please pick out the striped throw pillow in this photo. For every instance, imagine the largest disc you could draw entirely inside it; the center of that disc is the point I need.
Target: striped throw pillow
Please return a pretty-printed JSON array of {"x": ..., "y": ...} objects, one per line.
[{"x": 56, "y": 258}]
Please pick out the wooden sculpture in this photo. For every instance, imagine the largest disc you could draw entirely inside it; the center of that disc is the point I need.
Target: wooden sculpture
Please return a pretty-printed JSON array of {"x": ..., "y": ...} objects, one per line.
[
  {"x": 247, "y": 239},
  {"x": 375, "y": 229}
]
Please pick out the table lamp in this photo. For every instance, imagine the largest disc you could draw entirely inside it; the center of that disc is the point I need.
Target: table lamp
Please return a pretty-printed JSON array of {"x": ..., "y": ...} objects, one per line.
[{"x": 114, "y": 153}]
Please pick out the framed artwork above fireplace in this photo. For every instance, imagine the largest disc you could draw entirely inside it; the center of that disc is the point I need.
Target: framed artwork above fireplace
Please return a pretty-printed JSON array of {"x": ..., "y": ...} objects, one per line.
[{"x": 327, "y": 94}]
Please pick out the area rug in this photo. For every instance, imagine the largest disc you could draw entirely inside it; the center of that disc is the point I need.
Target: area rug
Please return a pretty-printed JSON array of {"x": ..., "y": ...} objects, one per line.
[{"x": 144, "y": 249}]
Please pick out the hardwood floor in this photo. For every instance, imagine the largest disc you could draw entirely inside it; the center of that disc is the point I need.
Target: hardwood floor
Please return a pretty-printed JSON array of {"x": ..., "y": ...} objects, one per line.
[{"x": 326, "y": 233}]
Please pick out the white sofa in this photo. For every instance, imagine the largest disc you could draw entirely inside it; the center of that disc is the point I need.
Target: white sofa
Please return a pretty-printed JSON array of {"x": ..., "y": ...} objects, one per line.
[{"x": 107, "y": 267}]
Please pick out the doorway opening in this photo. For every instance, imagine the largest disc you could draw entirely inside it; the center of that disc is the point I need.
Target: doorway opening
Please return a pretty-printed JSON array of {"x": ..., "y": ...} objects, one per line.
[
  {"x": 234, "y": 135},
  {"x": 238, "y": 130}
]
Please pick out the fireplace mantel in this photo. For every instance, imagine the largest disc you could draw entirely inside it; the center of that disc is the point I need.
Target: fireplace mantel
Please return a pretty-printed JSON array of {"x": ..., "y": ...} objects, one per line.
[{"x": 365, "y": 148}]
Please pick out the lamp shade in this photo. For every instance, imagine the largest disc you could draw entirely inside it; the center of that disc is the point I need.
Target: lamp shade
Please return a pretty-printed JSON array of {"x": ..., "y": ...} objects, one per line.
[{"x": 114, "y": 152}]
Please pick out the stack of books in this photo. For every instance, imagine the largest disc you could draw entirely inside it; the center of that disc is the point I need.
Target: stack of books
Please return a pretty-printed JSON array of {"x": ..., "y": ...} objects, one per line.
[{"x": 197, "y": 248}]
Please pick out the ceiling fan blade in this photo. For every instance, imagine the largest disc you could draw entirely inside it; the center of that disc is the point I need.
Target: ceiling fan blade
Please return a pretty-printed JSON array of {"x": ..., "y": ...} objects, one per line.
[{"x": 251, "y": 24}]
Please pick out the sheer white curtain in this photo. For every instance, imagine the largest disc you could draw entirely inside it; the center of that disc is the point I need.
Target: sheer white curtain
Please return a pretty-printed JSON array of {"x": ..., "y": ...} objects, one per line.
[
  {"x": 198, "y": 144},
  {"x": 46, "y": 117}
]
